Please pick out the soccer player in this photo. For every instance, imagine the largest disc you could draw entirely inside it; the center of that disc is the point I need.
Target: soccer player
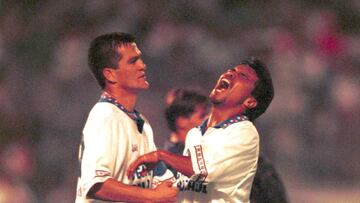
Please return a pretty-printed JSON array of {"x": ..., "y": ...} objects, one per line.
[
  {"x": 187, "y": 110},
  {"x": 220, "y": 157},
  {"x": 115, "y": 134}
]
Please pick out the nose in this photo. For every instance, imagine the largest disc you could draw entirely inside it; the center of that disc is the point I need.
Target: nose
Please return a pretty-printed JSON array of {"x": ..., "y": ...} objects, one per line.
[{"x": 142, "y": 65}]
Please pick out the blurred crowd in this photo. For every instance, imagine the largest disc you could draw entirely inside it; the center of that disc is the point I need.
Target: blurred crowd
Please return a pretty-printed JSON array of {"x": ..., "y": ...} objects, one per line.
[{"x": 311, "y": 132}]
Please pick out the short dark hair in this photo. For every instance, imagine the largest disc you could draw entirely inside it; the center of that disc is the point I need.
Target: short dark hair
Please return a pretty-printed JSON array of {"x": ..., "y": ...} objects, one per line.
[
  {"x": 264, "y": 89},
  {"x": 103, "y": 53},
  {"x": 184, "y": 105}
]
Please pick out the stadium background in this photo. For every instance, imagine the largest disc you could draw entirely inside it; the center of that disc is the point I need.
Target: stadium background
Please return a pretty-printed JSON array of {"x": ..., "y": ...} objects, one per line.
[{"x": 311, "y": 131}]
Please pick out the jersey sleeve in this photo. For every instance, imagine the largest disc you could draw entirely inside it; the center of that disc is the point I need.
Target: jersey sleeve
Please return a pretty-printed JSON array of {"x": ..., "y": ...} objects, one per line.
[
  {"x": 147, "y": 127},
  {"x": 226, "y": 160},
  {"x": 101, "y": 135}
]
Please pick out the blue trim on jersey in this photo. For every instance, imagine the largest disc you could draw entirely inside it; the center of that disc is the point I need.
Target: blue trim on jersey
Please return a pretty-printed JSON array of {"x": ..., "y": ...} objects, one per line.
[
  {"x": 135, "y": 115},
  {"x": 223, "y": 124},
  {"x": 160, "y": 169}
]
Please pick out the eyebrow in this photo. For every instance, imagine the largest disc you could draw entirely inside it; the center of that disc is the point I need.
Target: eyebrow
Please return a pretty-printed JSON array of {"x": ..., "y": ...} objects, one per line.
[
  {"x": 244, "y": 73},
  {"x": 133, "y": 59}
]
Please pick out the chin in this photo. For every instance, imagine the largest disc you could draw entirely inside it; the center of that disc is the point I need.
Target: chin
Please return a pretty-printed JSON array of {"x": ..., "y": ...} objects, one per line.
[
  {"x": 214, "y": 100},
  {"x": 146, "y": 86},
  {"x": 141, "y": 88}
]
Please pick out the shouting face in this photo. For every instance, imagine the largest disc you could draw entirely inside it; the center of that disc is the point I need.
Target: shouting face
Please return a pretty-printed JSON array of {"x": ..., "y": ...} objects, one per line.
[{"x": 234, "y": 87}]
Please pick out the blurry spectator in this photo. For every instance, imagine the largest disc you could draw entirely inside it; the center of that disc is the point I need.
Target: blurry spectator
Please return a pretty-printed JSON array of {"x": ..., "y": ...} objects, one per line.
[
  {"x": 188, "y": 109},
  {"x": 267, "y": 186},
  {"x": 185, "y": 109},
  {"x": 16, "y": 169}
]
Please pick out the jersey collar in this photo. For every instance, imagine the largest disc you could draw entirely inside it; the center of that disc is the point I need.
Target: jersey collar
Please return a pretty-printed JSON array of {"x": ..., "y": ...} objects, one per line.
[
  {"x": 135, "y": 115},
  {"x": 223, "y": 124}
]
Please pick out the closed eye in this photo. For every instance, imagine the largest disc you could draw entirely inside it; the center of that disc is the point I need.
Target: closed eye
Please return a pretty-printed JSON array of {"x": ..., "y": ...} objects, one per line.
[{"x": 243, "y": 75}]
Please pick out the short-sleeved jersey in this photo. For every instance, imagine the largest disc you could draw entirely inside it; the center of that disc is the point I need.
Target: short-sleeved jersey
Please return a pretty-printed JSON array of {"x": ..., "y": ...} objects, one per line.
[
  {"x": 111, "y": 142},
  {"x": 224, "y": 160}
]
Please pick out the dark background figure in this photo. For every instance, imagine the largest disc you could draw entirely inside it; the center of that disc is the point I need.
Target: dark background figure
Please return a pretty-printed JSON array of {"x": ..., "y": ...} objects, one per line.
[{"x": 267, "y": 186}]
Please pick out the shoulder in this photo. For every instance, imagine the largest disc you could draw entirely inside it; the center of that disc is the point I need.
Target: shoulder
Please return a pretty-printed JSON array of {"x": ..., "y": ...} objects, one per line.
[
  {"x": 103, "y": 110},
  {"x": 245, "y": 132},
  {"x": 243, "y": 126},
  {"x": 194, "y": 132},
  {"x": 103, "y": 114}
]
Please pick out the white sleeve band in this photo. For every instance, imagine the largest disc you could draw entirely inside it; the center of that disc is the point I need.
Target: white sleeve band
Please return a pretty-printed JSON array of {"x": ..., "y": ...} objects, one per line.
[
  {"x": 198, "y": 163},
  {"x": 87, "y": 186}
]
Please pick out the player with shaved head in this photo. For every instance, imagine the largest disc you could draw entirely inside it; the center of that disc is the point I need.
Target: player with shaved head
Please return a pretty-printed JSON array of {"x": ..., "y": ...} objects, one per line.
[{"x": 220, "y": 157}]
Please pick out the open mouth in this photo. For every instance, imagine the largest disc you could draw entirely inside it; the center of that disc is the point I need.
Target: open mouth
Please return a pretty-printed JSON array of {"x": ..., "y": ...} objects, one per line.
[{"x": 224, "y": 84}]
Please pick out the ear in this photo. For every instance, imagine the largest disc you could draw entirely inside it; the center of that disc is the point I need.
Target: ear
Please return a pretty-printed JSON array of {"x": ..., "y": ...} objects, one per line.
[
  {"x": 250, "y": 103},
  {"x": 109, "y": 75}
]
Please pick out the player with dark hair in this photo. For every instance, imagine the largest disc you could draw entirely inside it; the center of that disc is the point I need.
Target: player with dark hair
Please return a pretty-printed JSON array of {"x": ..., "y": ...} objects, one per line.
[
  {"x": 263, "y": 91},
  {"x": 115, "y": 134},
  {"x": 187, "y": 105},
  {"x": 220, "y": 156},
  {"x": 188, "y": 110}
]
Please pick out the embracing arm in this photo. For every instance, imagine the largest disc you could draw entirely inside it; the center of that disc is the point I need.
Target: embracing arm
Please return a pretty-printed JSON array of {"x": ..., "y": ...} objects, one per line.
[
  {"x": 112, "y": 190},
  {"x": 180, "y": 163}
]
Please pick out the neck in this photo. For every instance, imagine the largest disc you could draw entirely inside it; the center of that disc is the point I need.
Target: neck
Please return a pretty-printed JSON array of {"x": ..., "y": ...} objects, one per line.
[
  {"x": 181, "y": 135},
  {"x": 218, "y": 114},
  {"x": 125, "y": 98}
]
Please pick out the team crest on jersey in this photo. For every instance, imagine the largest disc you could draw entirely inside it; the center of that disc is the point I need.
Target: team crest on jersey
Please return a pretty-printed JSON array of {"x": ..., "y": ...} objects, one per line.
[{"x": 134, "y": 147}]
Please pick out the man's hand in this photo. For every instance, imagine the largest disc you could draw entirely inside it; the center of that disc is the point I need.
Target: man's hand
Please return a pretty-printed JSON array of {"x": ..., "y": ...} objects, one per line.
[
  {"x": 149, "y": 160},
  {"x": 165, "y": 192}
]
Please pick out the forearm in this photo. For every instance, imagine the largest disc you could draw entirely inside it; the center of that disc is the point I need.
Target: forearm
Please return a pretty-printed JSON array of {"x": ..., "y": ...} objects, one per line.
[
  {"x": 179, "y": 163},
  {"x": 112, "y": 190}
]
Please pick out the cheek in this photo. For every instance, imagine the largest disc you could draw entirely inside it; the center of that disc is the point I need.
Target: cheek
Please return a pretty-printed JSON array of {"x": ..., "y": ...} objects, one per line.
[
  {"x": 245, "y": 89},
  {"x": 194, "y": 120},
  {"x": 199, "y": 119}
]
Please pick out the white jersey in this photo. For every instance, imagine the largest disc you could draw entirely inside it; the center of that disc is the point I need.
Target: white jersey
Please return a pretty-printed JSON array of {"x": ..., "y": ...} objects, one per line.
[
  {"x": 224, "y": 161},
  {"x": 111, "y": 142}
]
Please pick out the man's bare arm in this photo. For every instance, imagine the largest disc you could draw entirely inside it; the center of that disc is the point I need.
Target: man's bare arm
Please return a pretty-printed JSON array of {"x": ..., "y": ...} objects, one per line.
[
  {"x": 180, "y": 163},
  {"x": 112, "y": 190}
]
